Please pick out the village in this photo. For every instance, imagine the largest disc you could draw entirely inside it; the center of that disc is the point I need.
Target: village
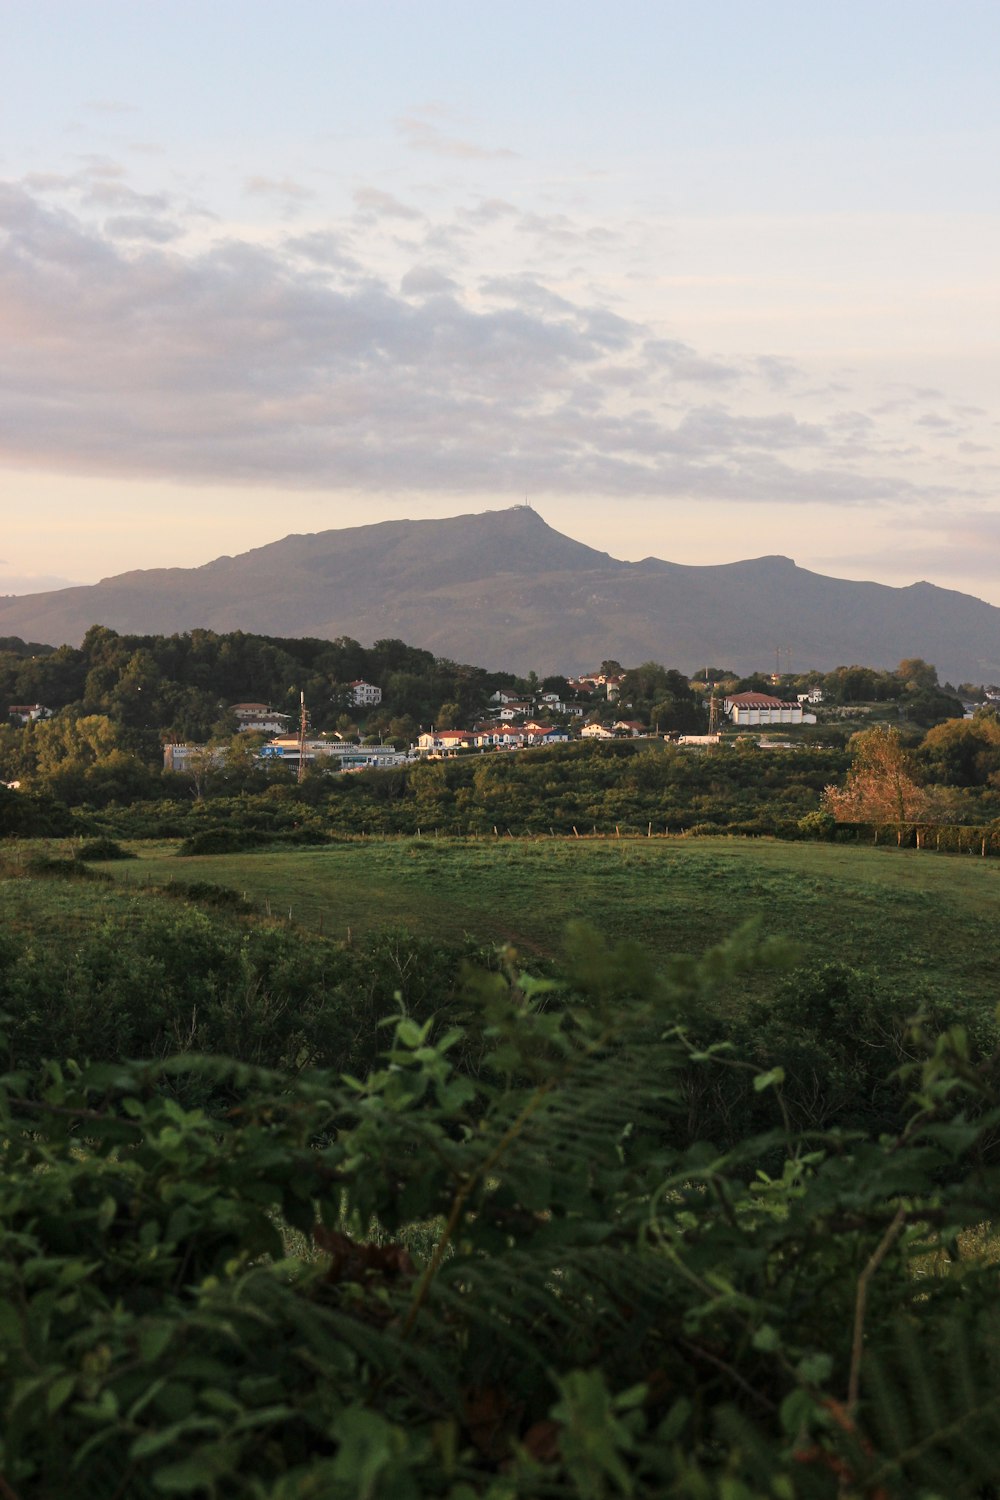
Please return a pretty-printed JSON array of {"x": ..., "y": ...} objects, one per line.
[{"x": 514, "y": 721}]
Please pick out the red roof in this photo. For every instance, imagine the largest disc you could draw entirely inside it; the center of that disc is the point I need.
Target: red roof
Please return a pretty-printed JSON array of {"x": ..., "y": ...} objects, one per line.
[{"x": 758, "y": 700}]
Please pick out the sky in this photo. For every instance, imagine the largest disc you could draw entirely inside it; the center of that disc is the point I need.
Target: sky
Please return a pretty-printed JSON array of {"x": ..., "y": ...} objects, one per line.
[{"x": 700, "y": 279}]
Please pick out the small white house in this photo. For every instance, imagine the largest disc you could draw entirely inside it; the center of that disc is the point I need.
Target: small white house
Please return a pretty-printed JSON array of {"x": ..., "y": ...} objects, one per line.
[
  {"x": 365, "y": 694},
  {"x": 29, "y": 713}
]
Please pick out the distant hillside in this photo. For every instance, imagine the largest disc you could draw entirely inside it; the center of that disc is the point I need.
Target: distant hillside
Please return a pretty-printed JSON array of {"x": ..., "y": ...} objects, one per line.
[{"x": 505, "y": 590}]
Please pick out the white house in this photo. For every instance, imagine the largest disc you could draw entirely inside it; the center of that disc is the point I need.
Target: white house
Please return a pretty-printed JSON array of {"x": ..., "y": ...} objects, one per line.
[
  {"x": 365, "y": 694},
  {"x": 258, "y": 718},
  {"x": 498, "y": 737},
  {"x": 443, "y": 741},
  {"x": 611, "y": 682},
  {"x": 29, "y": 713},
  {"x": 596, "y": 732}
]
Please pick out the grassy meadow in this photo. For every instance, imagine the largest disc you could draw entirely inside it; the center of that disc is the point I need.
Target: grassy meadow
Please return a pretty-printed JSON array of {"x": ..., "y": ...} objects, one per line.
[{"x": 912, "y": 915}]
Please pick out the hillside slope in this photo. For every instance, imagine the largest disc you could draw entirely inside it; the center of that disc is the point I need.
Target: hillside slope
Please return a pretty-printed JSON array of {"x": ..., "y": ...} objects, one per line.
[{"x": 505, "y": 590}]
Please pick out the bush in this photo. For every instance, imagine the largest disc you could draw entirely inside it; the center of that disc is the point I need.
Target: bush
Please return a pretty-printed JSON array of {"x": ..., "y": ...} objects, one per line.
[
  {"x": 207, "y": 893},
  {"x": 436, "y": 1283},
  {"x": 219, "y": 841},
  {"x": 818, "y": 825},
  {"x": 102, "y": 848},
  {"x": 62, "y": 869}
]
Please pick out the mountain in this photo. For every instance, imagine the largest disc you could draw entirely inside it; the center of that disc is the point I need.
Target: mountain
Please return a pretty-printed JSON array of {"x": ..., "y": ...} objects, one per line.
[{"x": 505, "y": 590}]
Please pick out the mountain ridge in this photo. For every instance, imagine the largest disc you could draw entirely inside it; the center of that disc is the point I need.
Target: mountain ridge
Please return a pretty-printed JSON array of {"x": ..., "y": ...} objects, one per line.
[{"x": 507, "y": 591}]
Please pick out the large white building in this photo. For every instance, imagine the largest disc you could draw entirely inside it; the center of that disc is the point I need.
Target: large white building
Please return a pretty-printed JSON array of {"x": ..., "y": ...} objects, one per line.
[
  {"x": 366, "y": 694},
  {"x": 750, "y": 709},
  {"x": 340, "y": 754}
]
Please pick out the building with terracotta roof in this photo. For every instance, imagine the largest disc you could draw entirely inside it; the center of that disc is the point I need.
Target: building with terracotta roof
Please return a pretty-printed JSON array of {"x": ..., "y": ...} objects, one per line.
[
  {"x": 751, "y": 709},
  {"x": 443, "y": 741}
]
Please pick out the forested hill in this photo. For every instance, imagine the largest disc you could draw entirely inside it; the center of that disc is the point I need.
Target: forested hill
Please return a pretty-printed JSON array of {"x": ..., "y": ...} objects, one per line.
[
  {"x": 180, "y": 686},
  {"x": 505, "y": 589}
]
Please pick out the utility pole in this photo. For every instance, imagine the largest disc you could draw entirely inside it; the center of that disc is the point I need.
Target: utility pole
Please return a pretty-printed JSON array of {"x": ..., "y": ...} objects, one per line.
[{"x": 302, "y": 738}]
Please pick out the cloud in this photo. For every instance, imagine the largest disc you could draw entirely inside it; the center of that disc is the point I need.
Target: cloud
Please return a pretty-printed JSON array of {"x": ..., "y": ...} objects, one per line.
[
  {"x": 681, "y": 362},
  {"x": 525, "y": 291},
  {"x": 937, "y": 544},
  {"x": 777, "y": 372},
  {"x": 296, "y": 362},
  {"x": 421, "y": 134},
  {"x": 138, "y": 227},
  {"x": 490, "y": 210},
  {"x": 374, "y": 204},
  {"x": 102, "y": 166},
  {"x": 427, "y": 281},
  {"x": 277, "y": 187},
  {"x": 323, "y": 249}
]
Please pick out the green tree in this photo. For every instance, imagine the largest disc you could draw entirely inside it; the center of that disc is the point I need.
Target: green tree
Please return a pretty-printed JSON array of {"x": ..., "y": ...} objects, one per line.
[
  {"x": 448, "y": 716},
  {"x": 963, "y": 752},
  {"x": 916, "y": 675}
]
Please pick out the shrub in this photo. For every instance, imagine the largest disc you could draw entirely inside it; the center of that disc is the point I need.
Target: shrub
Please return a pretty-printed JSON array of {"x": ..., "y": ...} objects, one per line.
[
  {"x": 207, "y": 893},
  {"x": 102, "y": 848},
  {"x": 62, "y": 869},
  {"x": 818, "y": 825},
  {"x": 219, "y": 841},
  {"x": 509, "y": 1282}
]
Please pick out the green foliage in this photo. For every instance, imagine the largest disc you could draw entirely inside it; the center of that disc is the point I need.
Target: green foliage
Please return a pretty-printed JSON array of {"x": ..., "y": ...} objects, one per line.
[
  {"x": 217, "y": 841},
  {"x": 818, "y": 825},
  {"x": 145, "y": 986},
  {"x": 526, "y": 1277},
  {"x": 96, "y": 849}
]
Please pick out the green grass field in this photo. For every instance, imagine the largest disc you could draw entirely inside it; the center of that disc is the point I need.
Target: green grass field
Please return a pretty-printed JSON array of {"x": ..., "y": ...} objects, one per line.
[{"x": 912, "y": 915}]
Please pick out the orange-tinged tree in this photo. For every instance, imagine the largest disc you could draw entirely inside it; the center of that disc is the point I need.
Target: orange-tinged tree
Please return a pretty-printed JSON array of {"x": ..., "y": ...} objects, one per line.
[{"x": 880, "y": 787}]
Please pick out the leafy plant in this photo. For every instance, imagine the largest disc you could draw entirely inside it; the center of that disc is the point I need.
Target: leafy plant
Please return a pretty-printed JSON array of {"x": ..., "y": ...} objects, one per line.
[{"x": 523, "y": 1279}]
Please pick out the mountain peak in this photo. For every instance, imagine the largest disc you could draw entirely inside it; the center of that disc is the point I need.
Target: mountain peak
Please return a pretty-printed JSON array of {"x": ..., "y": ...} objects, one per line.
[{"x": 504, "y": 590}]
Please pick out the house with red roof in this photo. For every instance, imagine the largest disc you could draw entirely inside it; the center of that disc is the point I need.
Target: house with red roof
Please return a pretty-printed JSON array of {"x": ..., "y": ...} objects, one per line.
[{"x": 443, "y": 741}]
